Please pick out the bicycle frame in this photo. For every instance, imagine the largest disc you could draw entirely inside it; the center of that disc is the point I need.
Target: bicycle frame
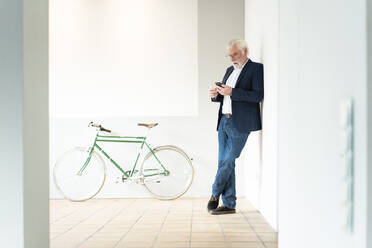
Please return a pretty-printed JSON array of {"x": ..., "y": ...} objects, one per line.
[{"x": 122, "y": 139}]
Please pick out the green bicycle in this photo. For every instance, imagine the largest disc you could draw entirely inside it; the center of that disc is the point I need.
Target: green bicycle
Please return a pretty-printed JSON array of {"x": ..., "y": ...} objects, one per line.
[{"x": 166, "y": 171}]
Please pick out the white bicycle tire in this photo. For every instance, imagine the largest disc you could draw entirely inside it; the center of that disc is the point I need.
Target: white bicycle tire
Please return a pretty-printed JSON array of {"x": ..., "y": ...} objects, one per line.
[
  {"x": 58, "y": 163},
  {"x": 189, "y": 161}
]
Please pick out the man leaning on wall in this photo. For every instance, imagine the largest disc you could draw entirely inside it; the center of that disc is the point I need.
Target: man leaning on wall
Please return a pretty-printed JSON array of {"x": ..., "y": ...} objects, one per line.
[{"x": 239, "y": 95}]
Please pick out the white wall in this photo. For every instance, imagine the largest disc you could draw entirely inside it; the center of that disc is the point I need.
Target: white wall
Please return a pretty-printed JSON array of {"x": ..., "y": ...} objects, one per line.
[
  {"x": 24, "y": 122},
  {"x": 114, "y": 58},
  {"x": 262, "y": 36},
  {"x": 322, "y": 61},
  {"x": 11, "y": 146},
  {"x": 196, "y": 135}
]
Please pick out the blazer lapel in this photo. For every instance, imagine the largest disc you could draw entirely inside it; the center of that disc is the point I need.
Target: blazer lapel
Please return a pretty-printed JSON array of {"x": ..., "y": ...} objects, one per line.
[
  {"x": 244, "y": 70},
  {"x": 228, "y": 73}
]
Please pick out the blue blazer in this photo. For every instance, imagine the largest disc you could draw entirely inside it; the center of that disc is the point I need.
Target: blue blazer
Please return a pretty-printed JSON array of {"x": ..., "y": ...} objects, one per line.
[{"x": 245, "y": 98}]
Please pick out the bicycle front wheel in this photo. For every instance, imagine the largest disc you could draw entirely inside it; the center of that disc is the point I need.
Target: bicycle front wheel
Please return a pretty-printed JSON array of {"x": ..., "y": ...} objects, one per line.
[
  {"x": 77, "y": 186},
  {"x": 167, "y": 172}
]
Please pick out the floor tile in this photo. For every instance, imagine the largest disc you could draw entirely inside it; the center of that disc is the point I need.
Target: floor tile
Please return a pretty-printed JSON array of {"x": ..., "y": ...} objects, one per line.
[
  {"x": 208, "y": 244},
  {"x": 246, "y": 245}
]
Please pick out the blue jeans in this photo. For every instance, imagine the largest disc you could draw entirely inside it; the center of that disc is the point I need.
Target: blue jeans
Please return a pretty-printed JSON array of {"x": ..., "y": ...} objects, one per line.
[{"x": 230, "y": 144}]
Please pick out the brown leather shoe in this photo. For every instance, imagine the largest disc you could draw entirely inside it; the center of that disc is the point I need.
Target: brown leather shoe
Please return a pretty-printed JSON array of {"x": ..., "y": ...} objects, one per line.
[
  {"x": 213, "y": 203},
  {"x": 223, "y": 210}
]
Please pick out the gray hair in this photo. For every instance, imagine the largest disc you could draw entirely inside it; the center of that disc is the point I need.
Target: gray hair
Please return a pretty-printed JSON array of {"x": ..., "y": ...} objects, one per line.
[{"x": 239, "y": 42}]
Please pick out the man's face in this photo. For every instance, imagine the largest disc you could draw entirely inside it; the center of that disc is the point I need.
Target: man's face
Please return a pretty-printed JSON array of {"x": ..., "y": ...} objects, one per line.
[{"x": 237, "y": 56}]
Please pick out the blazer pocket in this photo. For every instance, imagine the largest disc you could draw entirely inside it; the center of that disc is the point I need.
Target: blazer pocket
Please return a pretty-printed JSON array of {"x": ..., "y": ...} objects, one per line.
[{"x": 248, "y": 107}]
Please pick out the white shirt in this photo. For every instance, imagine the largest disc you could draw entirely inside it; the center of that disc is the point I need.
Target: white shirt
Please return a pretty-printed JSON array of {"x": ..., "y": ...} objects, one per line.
[{"x": 231, "y": 81}]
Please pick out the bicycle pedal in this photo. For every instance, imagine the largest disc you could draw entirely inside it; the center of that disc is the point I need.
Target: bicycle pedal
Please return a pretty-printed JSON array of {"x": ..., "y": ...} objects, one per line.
[{"x": 124, "y": 179}]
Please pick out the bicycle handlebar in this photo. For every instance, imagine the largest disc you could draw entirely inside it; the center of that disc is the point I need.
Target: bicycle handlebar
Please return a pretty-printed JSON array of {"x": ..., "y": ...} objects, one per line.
[
  {"x": 91, "y": 124},
  {"x": 105, "y": 130}
]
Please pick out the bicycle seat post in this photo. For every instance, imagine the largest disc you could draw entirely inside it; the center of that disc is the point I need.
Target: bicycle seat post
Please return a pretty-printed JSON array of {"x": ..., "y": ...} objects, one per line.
[
  {"x": 149, "y": 126},
  {"x": 148, "y": 132}
]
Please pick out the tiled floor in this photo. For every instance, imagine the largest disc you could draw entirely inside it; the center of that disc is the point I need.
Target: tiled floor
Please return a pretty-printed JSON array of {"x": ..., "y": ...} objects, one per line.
[{"x": 109, "y": 223}]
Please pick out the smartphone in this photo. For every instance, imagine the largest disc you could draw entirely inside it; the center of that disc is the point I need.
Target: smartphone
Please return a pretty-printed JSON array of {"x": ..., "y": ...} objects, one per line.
[{"x": 219, "y": 84}]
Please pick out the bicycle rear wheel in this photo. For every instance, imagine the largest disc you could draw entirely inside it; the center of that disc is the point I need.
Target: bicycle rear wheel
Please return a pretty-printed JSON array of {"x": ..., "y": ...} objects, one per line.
[
  {"x": 174, "y": 179},
  {"x": 74, "y": 186}
]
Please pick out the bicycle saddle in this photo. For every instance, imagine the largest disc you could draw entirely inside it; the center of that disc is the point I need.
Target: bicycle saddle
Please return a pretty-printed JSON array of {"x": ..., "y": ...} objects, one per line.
[{"x": 148, "y": 125}]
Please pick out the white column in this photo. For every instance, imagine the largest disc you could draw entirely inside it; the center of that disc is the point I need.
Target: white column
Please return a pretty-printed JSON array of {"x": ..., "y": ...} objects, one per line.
[
  {"x": 369, "y": 123},
  {"x": 24, "y": 190},
  {"x": 36, "y": 123}
]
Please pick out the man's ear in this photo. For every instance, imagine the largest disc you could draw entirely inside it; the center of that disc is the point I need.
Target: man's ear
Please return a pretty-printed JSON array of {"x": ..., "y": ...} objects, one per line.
[{"x": 245, "y": 51}]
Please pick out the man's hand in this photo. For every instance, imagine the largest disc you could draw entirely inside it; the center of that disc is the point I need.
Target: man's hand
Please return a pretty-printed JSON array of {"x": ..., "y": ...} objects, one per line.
[
  {"x": 225, "y": 90},
  {"x": 213, "y": 92}
]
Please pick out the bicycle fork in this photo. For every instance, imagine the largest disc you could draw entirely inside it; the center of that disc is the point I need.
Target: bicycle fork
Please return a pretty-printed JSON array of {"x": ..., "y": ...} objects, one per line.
[{"x": 80, "y": 172}]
